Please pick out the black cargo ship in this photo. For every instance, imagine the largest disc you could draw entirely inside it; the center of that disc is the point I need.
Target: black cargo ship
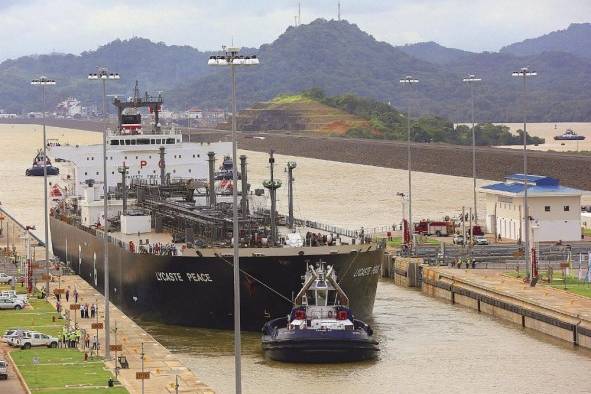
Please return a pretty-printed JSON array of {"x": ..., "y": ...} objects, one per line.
[
  {"x": 197, "y": 290},
  {"x": 188, "y": 280}
]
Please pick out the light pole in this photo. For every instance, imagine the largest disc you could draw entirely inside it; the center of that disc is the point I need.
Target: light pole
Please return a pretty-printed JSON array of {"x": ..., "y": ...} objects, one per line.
[
  {"x": 232, "y": 59},
  {"x": 43, "y": 81},
  {"x": 103, "y": 75},
  {"x": 471, "y": 79},
  {"x": 524, "y": 73},
  {"x": 409, "y": 80}
]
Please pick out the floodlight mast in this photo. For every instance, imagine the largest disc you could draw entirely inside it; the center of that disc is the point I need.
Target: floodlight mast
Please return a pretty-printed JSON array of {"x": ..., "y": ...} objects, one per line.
[
  {"x": 470, "y": 80},
  {"x": 525, "y": 73},
  {"x": 104, "y": 75},
  {"x": 410, "y": 81},
  {"x": 43, "y": 81},
  {"x": 232, "y": 59}
]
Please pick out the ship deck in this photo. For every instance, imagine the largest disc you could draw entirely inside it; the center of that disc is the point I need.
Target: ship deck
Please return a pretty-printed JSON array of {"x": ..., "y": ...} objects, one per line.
[{"x": 164, "y": 238}]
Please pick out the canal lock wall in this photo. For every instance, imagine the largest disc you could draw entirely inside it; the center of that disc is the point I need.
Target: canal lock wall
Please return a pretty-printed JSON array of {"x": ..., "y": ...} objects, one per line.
[{"x": 481, "y": 296}]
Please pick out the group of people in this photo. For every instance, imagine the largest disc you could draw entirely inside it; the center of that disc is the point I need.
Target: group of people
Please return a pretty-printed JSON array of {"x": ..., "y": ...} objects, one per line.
[
  {"x": 58, "y": 295},
  {"x": 157, "y": 248},
  {"x": 75, "y": 337},
  {"x": 85, "y": 308}
]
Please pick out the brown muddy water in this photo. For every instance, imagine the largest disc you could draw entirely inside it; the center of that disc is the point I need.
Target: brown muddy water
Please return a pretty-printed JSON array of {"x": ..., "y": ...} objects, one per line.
[{"x": 426, "y": 345}]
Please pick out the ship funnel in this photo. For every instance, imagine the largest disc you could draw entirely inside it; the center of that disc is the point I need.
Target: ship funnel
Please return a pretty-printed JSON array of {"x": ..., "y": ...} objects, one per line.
[{"x": 211, "y": 161}]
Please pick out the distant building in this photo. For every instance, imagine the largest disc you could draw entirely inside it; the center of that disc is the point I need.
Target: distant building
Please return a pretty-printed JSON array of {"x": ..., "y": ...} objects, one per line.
[
  {"x": 194, "y": 113},
  {"x": 554, "y": 210},
  {"x": 70, "y": 108},
  {"x": 8, "y": 116}
]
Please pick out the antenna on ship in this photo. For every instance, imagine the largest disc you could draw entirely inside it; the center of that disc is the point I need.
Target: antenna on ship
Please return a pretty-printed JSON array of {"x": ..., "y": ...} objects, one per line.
[
  {"x": 299, "y": 13},
  {"x": 339, "y": 11}
]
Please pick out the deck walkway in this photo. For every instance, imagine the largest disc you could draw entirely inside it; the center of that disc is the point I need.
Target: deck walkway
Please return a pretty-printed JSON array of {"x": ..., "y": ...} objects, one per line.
[{"x": 163, "y": 366}]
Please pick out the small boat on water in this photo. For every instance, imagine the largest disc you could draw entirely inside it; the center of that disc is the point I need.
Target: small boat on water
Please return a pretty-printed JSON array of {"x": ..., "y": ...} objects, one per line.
[
  {"x": 569, "y": 135},
  {"x": 321, "y": 327},
  {"x": 38, "y": 163}
]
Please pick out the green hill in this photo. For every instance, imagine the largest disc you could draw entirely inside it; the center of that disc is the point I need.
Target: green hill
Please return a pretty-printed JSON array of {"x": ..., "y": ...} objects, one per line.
[{"x": 334, "y": 56}]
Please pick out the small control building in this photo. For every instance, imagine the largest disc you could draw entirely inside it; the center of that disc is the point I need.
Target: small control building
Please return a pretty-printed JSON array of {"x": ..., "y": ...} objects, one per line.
[{"x": 554, "y": 210}]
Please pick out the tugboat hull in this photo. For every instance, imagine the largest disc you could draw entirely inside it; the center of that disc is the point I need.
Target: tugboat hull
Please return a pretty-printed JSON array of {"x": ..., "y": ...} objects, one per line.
[
  {"x": 38, "y": 171},
  {"x": 314, "y": 346}
]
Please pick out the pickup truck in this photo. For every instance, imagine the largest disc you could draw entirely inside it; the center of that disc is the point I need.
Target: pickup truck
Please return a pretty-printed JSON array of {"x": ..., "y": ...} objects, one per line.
[
  {"x": 13, "y": 294},
  {"x": 31, "y": 338},
  {"x": 6, "y": 279}
]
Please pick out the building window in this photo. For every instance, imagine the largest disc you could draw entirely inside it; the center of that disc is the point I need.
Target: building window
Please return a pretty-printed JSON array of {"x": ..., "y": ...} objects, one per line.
[
  {"x": 193, "y": 156},
  {"x": 189, "y": 170},
  {"x": 97, "y": 173},
  {"x": 547, "y": 208},
  {"x": 566, "y": 208},
  {"x": 86, "y": 173},
  {"x": 136, "y": 157}
]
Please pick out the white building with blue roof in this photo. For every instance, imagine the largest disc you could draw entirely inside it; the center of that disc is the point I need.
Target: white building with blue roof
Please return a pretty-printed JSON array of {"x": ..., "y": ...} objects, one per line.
[{"x": 555, "y": 209}]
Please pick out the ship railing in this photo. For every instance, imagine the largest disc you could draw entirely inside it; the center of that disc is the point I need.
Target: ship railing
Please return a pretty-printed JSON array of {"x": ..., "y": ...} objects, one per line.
[{"x": 367, "y": 233}]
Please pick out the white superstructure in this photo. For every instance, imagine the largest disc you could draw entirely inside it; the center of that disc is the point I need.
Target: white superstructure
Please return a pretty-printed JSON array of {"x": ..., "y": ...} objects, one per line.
[{"x": 139, "y": 152}]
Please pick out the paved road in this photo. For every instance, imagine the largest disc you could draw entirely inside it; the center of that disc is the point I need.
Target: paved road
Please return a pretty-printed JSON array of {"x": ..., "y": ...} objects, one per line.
[{"x": 12, "y": 385}]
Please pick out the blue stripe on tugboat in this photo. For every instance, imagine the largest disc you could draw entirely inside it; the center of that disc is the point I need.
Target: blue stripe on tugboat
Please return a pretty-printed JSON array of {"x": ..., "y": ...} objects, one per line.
[{"x": 321, "y": 327}]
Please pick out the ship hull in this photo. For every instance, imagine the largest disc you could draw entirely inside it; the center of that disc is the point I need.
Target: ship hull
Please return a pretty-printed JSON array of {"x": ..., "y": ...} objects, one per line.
[{"x": 198, "y": 291}]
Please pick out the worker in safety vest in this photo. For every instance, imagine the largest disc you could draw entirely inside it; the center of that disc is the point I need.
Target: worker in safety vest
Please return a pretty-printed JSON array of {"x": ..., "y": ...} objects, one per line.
[
  {"x": 77, "y": 335},
  {"x": 64, "y": 336}
]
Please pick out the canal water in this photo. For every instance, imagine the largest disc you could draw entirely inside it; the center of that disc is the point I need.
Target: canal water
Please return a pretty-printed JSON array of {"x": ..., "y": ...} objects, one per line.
[{"x": 426, "y": 345}]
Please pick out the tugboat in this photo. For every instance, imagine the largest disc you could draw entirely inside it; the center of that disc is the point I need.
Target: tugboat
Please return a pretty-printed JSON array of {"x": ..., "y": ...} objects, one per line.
[
  {"x": 223, "y": 178},
  {"x": 321, "y": 327},
  {"x": 37, "y": 168},
  {"x": 569, "y": 135}
]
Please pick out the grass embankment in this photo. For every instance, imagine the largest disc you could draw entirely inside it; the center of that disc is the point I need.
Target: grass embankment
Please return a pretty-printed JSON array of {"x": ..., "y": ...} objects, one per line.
[
  {"x": 291, "y": 99},
  {"x": 63, "y": 371},
  {"x": 573, "y": 284},
  {"x": 38, "y": 317},
  {"x": 60, "y": 371}
]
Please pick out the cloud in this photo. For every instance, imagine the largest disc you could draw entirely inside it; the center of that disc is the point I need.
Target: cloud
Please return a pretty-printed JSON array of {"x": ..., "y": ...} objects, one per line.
[{"x": 74, "y": 26}]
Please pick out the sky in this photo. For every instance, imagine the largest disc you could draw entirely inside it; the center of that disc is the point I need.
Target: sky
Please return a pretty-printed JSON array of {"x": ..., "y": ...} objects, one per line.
[{"x": 67, "y": 26}]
